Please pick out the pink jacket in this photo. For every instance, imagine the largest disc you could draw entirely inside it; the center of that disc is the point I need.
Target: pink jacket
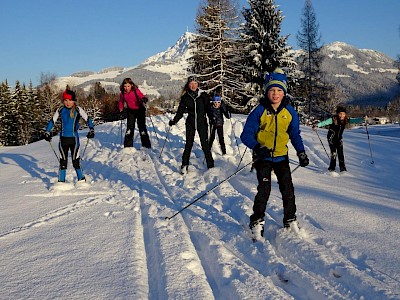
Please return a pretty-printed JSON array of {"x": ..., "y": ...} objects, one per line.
[{"x": 130, "y": 100}]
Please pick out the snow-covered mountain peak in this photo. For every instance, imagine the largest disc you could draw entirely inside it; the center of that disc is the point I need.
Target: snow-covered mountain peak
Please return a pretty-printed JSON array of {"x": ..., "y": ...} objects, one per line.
[{"x": 179, "y": 51}]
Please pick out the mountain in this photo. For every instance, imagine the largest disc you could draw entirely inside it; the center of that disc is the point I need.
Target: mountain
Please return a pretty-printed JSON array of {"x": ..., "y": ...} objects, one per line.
[
  {"x": 364, "y": 76},
  {"x": 162, "y": 74}
]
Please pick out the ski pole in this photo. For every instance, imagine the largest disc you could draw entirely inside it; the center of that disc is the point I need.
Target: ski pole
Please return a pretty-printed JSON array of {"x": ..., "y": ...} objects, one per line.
[
  {"x": 120, "y": 127},
  {"x": 369, "y": 143},
  {"x": 165, "y": 141},
  {"x": 84, "y": 150},
  {"x": 241, "y": 158},
  {"x": 151, "y": 120},
  {"x": 51, "y": 145},
  {"x": 198, "y": 198},
  {"x": 237, "y": 144},
  {"x": 316, "y": 131},
  {"x": 295, "y": 169}
]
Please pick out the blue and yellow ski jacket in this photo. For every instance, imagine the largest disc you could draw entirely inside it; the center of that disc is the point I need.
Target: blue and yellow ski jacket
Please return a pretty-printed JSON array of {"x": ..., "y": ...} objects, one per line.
[{"x": 273, "y": 129}]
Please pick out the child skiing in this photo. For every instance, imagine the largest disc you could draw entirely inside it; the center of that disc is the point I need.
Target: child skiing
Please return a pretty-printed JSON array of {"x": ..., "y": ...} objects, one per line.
[
  {"x": 136, "y": 111},
  {"x": 70, "y": 115},
  {"x": 196, "y": 103},
  {"x": 216, "y": 116},
  {"x": 337, "y": 124},
  {"x": 267, "y": 131}
]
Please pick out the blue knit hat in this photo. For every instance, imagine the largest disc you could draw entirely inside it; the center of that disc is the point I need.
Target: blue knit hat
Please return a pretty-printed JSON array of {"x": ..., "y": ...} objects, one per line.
[
  {"x": 216, "y": 98},
  {"x": 276, "y": 79}
]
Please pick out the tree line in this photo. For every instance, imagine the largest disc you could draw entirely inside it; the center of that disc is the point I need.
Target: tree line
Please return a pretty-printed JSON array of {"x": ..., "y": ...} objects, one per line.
[{"x": 25, "y": 110}]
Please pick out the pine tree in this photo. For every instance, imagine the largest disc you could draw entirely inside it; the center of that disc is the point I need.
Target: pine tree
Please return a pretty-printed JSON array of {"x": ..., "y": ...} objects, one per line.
[
  {"x": 308, "y": 38},
  {"x": 215, "y": 51},
  {"x": 37, "y": 120},
  {"x": 10, "y": 119},
  {"x": 264, "y": 46},
  {"x": 5, "y": 115}
]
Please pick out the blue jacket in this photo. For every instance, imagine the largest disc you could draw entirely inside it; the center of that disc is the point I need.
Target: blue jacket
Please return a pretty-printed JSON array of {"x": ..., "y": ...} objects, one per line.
[
  {"x": 69, "y": 126},
  {"x": 273, "y": 129}
]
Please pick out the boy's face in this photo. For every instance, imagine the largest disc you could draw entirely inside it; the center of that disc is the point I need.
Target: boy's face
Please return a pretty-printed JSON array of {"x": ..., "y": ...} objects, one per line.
[
  {"x": 342, "y": 115},
  {"x": 275, "y": 95}
]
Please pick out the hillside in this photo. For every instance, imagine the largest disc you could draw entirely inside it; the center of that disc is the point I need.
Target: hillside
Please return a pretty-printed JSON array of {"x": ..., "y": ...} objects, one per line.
[{"x": 364, "y": 76}]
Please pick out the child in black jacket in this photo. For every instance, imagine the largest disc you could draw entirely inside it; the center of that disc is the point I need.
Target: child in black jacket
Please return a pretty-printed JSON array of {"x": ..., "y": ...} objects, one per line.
[
  {"x": 337, "y": 123},
  {"x": 216, "y": 115}
]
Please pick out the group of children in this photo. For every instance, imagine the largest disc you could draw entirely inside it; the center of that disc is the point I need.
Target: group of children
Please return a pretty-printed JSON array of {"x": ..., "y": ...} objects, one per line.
[{"x": 267, "y": 131}]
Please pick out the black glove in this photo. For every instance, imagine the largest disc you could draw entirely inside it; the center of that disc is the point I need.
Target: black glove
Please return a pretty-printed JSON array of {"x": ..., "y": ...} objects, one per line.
[
  {"x": 122, "y": 115},
  {"x": 90, "y": 134},
  {"x": 303, "y": 159},
  {"x": 261, "y": 152},
  {"x": 145, "y": 100},
  {"x": 47, "y": 136},
  {"x": 171, "y": 122}
]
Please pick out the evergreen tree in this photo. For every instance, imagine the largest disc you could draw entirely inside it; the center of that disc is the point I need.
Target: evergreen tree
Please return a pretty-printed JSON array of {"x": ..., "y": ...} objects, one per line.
[
  {"x": 10, "y": 119},
  {"x": 37, "y": 120},
  {"x": 23, "y": 115},
  {"x": 5, "y": 115},
  {"x": 308, "y": 39},
  {"x": 215, "y": 50},
  {"x": 263, "y": 45}
]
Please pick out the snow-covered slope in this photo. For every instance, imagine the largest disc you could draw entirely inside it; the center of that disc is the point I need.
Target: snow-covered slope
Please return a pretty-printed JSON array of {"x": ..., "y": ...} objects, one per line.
[
  {"x": 366, "y": 76},
  {"x": 111, "y": 239}
]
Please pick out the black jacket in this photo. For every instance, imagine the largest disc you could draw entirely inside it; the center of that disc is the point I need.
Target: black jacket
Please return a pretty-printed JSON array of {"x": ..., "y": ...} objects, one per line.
[
  {"x": 335, "y": 132},
  {"x": 216, "y": 115},
  {"x": 196, "y": 104}
]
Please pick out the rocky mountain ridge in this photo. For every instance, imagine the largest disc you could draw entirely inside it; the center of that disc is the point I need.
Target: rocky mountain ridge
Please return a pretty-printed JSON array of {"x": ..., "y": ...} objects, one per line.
[{"x": 364, "y": 76}]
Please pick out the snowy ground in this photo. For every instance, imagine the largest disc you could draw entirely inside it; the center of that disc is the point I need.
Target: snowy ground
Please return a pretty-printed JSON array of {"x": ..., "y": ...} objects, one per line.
[{"x": 110, "y": 240}]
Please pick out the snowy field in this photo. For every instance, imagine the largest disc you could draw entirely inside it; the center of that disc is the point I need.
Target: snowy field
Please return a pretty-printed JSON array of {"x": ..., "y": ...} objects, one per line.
[{"x": 110, "y": 239}]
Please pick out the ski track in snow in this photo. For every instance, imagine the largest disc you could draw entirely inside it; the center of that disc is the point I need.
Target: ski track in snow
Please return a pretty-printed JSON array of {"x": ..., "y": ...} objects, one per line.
[{"x": 186, "y": 256}]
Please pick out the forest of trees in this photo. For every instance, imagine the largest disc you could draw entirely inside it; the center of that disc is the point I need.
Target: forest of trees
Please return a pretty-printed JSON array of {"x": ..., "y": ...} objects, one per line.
[
  {"x": 25, "y": 111},
  {"x": 232, "y": 53}
]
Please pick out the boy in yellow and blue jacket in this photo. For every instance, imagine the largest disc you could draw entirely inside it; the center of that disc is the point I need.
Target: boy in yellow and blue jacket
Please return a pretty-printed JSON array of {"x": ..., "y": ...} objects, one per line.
[{"x": 267, "y": 131}]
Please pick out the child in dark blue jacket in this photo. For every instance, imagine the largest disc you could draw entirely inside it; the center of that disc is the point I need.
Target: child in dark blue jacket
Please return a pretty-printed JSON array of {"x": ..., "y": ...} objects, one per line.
[
  {"x": 70, "y": 115},
  {"x": 216, "y": 115}
]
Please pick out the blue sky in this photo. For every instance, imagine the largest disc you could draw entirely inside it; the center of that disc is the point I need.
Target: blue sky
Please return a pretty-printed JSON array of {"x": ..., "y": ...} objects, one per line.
[{"x": 62, "y": 37}]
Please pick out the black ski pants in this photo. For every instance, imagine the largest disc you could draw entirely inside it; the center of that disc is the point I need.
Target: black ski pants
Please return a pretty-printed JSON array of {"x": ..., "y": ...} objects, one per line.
[
  {"x": 203, "y": 135},
  {"x": 220, "y": 132},
  {"x": 139, "y": 116},
  {"x": 65, "y": 145},
  {"x": 283, "y": 173},
  {"x": 337, "y": 151}
]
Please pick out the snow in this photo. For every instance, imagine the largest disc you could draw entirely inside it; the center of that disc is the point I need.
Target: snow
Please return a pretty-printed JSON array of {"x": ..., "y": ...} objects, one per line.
[{"x": 111, "y": 237}]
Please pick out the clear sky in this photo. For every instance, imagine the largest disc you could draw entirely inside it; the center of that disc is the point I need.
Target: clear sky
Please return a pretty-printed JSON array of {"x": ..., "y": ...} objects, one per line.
[{"x": 62, "y": 37}]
